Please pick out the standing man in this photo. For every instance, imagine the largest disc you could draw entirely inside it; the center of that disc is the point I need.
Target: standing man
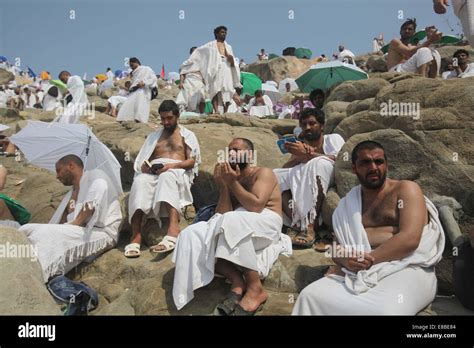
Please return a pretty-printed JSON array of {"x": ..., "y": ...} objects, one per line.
[
  {"x": 192, "y": 94},
  {"x": 137, "y": 105}
]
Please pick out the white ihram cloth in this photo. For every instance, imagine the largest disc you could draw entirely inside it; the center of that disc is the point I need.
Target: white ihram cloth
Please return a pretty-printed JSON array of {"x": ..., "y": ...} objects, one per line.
[
  {"x": 116, "y": 100},
  {"x": 216, "y": 71},
  {"x": 77, "y": 107},
  {"x": 247, "y": 239},
  {"x": 469, "y": 72},
  {"x": 422, "y": 56},
  {"x": 261, "y": 110},
  {"x": 137, "y": 105},
  {"x": 61, "y": 247},
  {"x": 464, "y": 9},
  {"x": 192, "y": 93},
  {"x": 403, "y": 286},
  {"x": 301, "y": 180},
  {"x": 50, "y": 103},
  {"x": 173, "y": 186}
]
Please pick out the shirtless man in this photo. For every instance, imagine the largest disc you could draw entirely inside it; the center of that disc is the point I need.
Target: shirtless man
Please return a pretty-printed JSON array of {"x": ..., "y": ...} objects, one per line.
[
  {"x": 406, "y": 57},
  {"x": 400, "y": 240},
  {"x": 165, "y": 169},
  {"x": 242, "y": 241}
]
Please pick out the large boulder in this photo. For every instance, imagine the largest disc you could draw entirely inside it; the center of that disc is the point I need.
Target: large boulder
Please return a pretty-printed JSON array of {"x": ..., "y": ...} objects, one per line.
[
  {"x": 6, "y": 77},
  {"x": 22, "y": 287},
  {"x": 356, "y": 90}
]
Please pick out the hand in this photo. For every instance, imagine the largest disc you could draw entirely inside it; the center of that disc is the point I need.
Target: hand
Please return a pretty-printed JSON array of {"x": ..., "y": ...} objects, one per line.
[
  {"x": 229, "y": 175},
  {"x": 145, "y": 169},
  {"x": 356, "y": 263},
  {"x": 165, "y": 168},
  {"x": 141, "y": 84},
  {"x": 298, "y": 149},
  {"x": 180, "y": 86},
  {"x": 439, "y": 6},
  {"x": 218, "y": 175},
  {"x": 230, "y": 59},
  {"x": 433, "y": 35}
]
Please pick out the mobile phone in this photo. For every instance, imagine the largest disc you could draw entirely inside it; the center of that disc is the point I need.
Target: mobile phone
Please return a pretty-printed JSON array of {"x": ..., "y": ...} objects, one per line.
[{"x": 281, "y": 143}]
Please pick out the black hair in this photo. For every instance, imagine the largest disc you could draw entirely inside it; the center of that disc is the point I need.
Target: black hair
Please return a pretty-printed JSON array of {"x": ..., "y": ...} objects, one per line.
[
  {"x": 458, "y": 52},
  {"x": 191, "y": 50},
  {"x": 409, "y": 21},
  {"x": 366, "y": 145},
  {"x": 258, "y": 93},
  {"x": 316, "y": 113},
  {"x": 63, "y": 72},
  {"x": 218, "y": 29},
  {"x": 169, "y": 105},
  {"x": 70, "y": 158},
  {"x": 134, "y": 60}
]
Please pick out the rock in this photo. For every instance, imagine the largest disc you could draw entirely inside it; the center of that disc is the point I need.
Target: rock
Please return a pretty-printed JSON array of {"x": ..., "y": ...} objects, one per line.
[
  {"x": 355, "y": 90},
  {"x": 376, "y": 63},
  {"x": 23, "y": 289},
  {"x": 333, "y": 121},
  {"x": 280, "y": 68},
  {"x": 359, "y": 105},
  {"x": 6, "y": 77},
  {"x": 329, "y": 205},
  {"x": 91, "y": 91},
  {"x": 106, "y": 94},
  {"x": 335, "y": 106}
]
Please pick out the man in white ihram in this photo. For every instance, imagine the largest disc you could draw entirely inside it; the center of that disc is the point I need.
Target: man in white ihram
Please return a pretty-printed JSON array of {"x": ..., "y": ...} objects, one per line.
[
  {"x": 84, "y": 225},
  {"x": 137, "y": 105},
  {"x": 77, "y": 107}
]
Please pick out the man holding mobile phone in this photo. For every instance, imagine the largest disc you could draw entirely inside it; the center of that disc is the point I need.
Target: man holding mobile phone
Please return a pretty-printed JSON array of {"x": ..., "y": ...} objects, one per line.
[
  {"x": 315, "y": 157},
  {"x": 165, "y": 168}
]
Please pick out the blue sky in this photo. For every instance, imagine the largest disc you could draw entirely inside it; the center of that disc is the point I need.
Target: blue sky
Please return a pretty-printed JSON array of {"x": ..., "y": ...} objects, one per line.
[{"x": 105, "y": 32}]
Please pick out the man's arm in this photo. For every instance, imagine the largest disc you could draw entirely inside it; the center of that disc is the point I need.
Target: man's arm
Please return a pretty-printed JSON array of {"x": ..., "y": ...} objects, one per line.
[
  {"x": 413, "y": 215},
  {"x": 3, "y": 177},
  {"x": 263, "y": 187},
  {"x": 84, "y": 216},
  {"x": 224, "y": 204}
]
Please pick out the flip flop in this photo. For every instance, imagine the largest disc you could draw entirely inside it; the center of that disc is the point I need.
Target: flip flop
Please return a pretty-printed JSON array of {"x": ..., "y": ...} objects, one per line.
[
  {"x": 303, "y": 235},
  {"x": 239, "y": 311},
  {"x": 132, "y": 250},
  {"x": 168, "y": 242},
  {"x": 227, "y": 306}
]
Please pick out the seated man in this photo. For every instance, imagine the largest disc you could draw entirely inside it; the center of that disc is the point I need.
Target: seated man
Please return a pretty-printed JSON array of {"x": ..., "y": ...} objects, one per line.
[
  {"x": 84, "y": 225},
  {"x": 241, "y": 241},
  {"x": 461, "y": 66},
  {"x": 260, "y": 105},
  {"x": 313, "y": 158},
  {"x": 163, "y": 189},
  {"x": 12, "y": 214},
  {"x": 390, "y": 239},
  {"x": 406, "y": 57},
  {"x": 115, "y": 101}
]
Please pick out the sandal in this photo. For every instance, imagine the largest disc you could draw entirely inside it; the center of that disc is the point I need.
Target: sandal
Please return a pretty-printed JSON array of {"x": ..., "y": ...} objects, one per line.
[
  {"x": 307, "y": 242},
  {"x": 132, "y": 250},
  {"x": 227, "y": 306},
  {"x": 239, "y": 311},
  {"x": 168, "y": 242}
]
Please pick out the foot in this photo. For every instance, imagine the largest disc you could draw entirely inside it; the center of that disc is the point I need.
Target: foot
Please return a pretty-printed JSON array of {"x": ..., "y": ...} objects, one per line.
[
  {"x": 304, "y": 239},
  {"x": 253, "y": 298},
  {"x": 173, "y": 231}
]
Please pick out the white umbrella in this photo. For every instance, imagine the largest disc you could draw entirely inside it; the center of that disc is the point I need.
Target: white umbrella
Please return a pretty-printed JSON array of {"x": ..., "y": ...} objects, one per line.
[
  {"x": 271, "y": 91},
  {"x": 43, "y": 144},
  {"x": 282, "y": 85},
  {"x": 173, "y": 76},
  {"x": 3, "y": 127},
  {"x": 272, "y": 83}
]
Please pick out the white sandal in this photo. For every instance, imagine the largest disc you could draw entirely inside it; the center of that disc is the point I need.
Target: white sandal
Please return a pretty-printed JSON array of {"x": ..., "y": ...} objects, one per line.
[
  {"x": 132, "y": 250},
  {"x": 168, "y": 242}
]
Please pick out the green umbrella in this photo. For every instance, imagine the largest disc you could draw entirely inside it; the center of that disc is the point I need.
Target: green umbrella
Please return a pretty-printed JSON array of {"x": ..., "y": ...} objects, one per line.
[
  {"x": 384, "y": 49},
  {"x": 325, "y": 75},
  {"x": 59, "y": 83},
  {"x": 250, "y": 83},
  {"x": 303, "y": 53},
  {"x": 417, "y": 37},
  {"x": 449, "y": 39},
  {"x": 272, "y": 55}
]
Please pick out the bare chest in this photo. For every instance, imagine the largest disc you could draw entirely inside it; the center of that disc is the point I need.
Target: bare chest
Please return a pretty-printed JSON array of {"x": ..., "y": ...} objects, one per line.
[{"x": 381, "y": 212}]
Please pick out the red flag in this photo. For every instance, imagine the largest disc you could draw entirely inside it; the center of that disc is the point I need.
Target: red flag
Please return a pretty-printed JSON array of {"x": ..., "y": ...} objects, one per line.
[{"x": 162, "y": 75}]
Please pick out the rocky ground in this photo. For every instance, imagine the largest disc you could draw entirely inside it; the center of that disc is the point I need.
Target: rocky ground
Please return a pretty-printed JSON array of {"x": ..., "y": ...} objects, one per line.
[{"x": 434, "y": 150}]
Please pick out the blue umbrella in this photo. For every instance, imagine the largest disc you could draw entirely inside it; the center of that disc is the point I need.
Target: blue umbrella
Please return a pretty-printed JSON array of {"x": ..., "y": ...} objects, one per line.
[
  {"x": 325, "y": 75},
  {"x": 118, "y": 73}
]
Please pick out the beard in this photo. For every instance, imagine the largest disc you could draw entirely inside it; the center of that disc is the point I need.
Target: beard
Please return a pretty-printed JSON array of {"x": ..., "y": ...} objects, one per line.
[
  {"x": 242, "y": 165},
  {"x": 312, "y": 136},
  {"x": 373, "y": 185},
  {"x": 67, "y": 179},
  {"x": 170, "y": 129}
]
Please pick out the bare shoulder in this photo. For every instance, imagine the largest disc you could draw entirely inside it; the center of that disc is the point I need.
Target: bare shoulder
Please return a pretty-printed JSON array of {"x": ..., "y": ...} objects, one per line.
[
  {"x": 408, "y": 188},
  {"x": 264, "y": 173}
]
